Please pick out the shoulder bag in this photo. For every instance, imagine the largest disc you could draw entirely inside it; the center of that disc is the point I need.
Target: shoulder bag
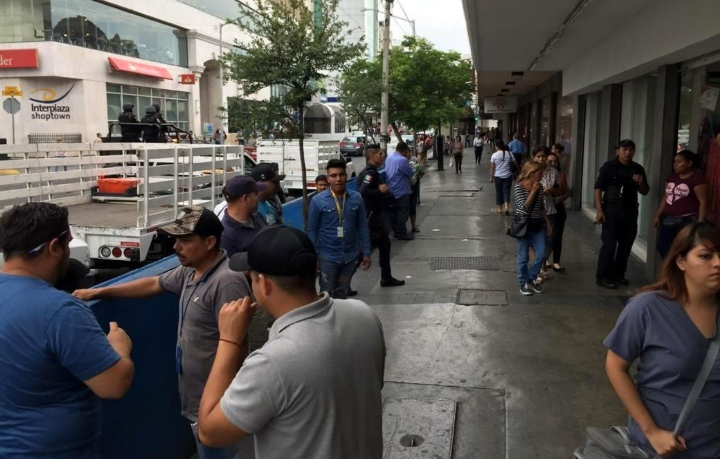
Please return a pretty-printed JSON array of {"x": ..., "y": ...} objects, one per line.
[
  {"x": 519, "y": 225},
  {"x": 615, "y": 443}
]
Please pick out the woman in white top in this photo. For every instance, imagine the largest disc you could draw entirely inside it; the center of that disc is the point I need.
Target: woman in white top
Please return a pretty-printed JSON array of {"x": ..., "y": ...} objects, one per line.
[
  {"x": 501, "y": 173},
  {"x": 478, "y": 143}
]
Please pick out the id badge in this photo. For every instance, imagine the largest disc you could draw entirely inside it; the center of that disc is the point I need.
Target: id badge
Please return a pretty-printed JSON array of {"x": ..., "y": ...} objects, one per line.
[
  {"x": 340, "y": 231},
  {"x": 178, "y": 358}
]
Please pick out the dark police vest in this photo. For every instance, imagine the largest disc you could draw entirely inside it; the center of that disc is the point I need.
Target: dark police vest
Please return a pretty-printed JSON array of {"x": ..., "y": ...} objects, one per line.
[{"x": 621, "y": 189}]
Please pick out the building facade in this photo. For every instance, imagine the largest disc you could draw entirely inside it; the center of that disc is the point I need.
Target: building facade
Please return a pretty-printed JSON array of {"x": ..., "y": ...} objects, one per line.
[
  {"x": 644, "y": 70},
  {"x": 77, "y": 62}
]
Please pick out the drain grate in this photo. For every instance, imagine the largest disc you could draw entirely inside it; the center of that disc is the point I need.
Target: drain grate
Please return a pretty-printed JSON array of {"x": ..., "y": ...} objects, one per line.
[{"x": 478, "y": 263}]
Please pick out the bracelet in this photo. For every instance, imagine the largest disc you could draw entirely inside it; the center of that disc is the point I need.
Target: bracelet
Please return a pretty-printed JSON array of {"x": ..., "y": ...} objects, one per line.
[{"x": 231, "y": 342}]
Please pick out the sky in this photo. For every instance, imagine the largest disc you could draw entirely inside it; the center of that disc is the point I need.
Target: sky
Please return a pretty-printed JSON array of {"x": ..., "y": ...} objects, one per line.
[{"x": 440, "y": 21}]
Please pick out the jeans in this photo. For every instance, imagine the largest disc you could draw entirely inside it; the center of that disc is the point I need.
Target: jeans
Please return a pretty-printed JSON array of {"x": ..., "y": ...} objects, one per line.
[
  {"x": 401, "y": 209},
  {"x": 205, "y": 452},
  {"x": 335, "y": 277},
  {"x": 536, "y": 240},
  {"x": 667, "y": 233},
  {"x": 502, "y": 190},
  {"x": 618, "y": 236}
]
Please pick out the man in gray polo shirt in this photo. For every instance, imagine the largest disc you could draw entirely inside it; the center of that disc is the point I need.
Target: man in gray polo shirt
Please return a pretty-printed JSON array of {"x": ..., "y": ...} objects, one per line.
[
  {"x": 313, "y": 390},
  {"x": 204, "y": 282}
]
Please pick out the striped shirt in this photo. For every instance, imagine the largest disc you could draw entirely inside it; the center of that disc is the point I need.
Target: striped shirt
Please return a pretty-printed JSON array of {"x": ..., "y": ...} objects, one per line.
[{"x": 521, "y": 196}]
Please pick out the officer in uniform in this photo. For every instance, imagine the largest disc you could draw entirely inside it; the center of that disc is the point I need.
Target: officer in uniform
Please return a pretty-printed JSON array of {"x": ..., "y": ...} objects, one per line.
[
  {"x": 374, "y": 194},
  {"x": 616, "y": 202},
  {"x": 151, "y": 132},
  {"x": 160, "y": 119},
  {"x": 130, "y": 133}
]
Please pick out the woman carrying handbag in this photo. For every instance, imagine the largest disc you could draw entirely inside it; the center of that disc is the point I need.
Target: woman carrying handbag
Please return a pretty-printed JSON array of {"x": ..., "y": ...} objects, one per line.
[{"x": 672, "y": 330}]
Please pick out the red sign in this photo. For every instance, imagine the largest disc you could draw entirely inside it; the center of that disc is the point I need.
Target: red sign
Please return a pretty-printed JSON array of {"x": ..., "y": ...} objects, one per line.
[
  {"x": 187, "y": 78},
  {"x": 19, "y": 59},
  {"x": 136, "y": 68},
  {"x": 129, "y": 244}
]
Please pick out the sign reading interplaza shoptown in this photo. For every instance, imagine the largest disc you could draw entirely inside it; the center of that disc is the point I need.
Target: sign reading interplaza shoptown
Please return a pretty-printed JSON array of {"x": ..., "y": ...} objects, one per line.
[{"x": 46, "y": 104}]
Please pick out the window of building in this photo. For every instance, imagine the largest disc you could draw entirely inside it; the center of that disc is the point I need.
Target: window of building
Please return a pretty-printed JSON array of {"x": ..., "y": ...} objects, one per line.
[
  {"x": 563, "y": 133},
  {"x": 533, "y": 138},
  {"x": 173, "y": 104},
  {"x": 592, "y": 160},
  {"x": 545, "y": 121},
  {"x": 92, "y": 25}
]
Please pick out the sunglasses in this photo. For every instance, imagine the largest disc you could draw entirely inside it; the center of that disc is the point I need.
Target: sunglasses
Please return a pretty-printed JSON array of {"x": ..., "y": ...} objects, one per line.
[{"x": 60, "y": 236}]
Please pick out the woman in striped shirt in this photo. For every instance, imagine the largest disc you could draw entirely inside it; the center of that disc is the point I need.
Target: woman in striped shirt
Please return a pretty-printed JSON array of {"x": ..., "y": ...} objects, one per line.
[{"x": 529, "y": 200}]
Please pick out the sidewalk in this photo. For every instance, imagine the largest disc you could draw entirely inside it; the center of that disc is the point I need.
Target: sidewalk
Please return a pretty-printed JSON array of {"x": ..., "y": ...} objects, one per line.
[{"x": 520, "y": 377}]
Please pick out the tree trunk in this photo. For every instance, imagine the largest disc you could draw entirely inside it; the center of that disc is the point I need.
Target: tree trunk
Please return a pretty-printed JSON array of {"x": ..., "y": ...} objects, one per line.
[
  {"x": 397, "y": 132},
  {"x": 367, "y": 129},
  {"x": 301, "y": 136}
]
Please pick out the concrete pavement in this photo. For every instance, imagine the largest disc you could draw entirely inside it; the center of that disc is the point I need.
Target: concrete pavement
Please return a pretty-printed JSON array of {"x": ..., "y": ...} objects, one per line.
[{"x": 523, "y": 376}]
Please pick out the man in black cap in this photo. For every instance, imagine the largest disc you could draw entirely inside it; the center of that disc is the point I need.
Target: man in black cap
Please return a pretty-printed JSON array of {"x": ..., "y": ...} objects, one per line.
[
  {"x": 204, "y": 282},
  {"x": 616, "y": 201},
  {"x": 241, "y": 220},
  {"x": 269, "y": 207},
  {"x": 375, "y": 196},
  {"x": 314, "y": 389}
]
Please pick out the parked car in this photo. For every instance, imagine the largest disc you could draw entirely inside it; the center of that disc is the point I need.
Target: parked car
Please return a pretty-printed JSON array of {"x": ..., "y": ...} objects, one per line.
[
  {"x": 409, "y": 139},
  {"x": 353, "y": 146}
]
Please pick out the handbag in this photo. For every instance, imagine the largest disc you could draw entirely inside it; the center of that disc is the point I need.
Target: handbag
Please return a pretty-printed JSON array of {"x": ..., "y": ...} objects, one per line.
[
  {"x": 519, "y": 225},
  {"x": 615, "y": 443}
]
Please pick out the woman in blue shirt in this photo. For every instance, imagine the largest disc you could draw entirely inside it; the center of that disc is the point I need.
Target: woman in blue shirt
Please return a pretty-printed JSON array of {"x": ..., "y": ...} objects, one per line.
[{"x": 668, "y": 329}]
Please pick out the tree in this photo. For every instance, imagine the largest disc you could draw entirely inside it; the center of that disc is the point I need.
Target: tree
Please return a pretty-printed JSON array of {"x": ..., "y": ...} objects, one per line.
[
  {"x": 360, "y": 90},
  {"x": 290, "y": 47},
  {"x": 427, "y": 87}
]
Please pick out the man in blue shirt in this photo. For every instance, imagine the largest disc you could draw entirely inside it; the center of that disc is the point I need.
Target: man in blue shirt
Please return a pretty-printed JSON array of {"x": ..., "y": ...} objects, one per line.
[
  {"x": 269, "y": 207},
  {"x": 399, "y": 172},
  {"x": 517, "y": 148},
  {"x": 338, "y": 229},
  {"x": 241, "y": 221},
  {"x": 56, "y": 363}
]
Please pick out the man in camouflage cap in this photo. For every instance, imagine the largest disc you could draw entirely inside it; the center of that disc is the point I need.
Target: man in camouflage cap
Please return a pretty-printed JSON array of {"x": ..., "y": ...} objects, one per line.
[{"x": 204, "y": 282}]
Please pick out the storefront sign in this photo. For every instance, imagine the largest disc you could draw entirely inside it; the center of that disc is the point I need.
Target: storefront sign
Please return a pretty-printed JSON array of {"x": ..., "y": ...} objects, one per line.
[
  {"x": 47, "y": 107},
  {"x": 709, "y": 98},
  {"x": 136, "y": 68},
  {"x": 500, "y": 104},
  {"x": 19, "y": 59},
  {"x": 187, "y": 78}
]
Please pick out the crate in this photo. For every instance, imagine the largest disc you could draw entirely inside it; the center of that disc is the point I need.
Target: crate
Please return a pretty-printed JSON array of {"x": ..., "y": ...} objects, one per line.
[{"x": 118, "y": 186}]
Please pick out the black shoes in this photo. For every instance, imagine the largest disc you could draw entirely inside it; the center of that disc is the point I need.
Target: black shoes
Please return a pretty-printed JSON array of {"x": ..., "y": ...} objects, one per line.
[
  {"x": 621, "y": 281},
  {"x": 406, "y": 237},
  {"x": 352, "y": 293},
  {"x": 606, "y": 283},
  {"x": 392, "y": 282}
]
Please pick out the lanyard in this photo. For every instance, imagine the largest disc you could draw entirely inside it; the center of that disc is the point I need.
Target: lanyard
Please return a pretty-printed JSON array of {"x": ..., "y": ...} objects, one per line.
[
  {"x": 183, "y": 312},
  {"x": 341, "y": 212}
]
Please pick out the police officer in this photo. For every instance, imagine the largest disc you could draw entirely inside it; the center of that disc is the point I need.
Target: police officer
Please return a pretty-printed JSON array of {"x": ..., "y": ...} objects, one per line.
[
  {"x": 130, "y": 133},
  {"x": 151, "y": 132},
  {"x": 374, "y": 196},
  {"x": 616, "y": 202},
  {"x": 160, "y": 119}
]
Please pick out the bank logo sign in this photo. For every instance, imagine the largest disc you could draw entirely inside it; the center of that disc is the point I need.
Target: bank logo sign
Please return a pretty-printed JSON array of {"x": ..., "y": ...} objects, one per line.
[{"x": 47, "y": 107}]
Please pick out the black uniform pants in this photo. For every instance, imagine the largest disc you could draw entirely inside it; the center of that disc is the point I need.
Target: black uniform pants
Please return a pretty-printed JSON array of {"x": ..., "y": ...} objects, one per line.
[
  {"x": 618, "y": 236},
  {"x": 478, "y": 155},
  {"x": 379, "y": 238}
]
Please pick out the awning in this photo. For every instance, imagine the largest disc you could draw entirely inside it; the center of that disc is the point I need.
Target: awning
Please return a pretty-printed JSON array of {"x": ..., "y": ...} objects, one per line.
[{"x": 136, "y": 68}]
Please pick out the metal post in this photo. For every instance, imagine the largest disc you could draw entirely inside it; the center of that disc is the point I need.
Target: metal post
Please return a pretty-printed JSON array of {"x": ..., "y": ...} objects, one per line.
[
  {"x": 146, "y": 182},
  {"x": 191, "y": 176},
  {"x": 12, "y": 112},
  {"x": 385, "y": 115},
  {"x": 213, "y": 183},
  {"x": 176, "y": 185}
]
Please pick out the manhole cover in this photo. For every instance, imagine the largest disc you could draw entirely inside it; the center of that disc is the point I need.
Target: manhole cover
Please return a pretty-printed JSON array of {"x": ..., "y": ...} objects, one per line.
[
  {"x": 411, "y": 441},
  {"x": 469, "y": 297},
  {"x": 477, "y": 263}
]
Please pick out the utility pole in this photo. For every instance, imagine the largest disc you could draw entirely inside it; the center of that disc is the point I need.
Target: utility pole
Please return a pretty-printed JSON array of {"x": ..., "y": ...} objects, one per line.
[{"x": 385, "y": 112}]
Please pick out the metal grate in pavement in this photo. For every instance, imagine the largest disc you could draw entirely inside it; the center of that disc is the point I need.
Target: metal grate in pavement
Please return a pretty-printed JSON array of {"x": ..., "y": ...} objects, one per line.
[{"x": 477, "y": 263}]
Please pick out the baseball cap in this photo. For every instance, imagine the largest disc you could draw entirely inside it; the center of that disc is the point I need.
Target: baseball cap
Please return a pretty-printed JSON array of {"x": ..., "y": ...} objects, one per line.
[
  {"x": 265, "y": 171},
  {"x": 626, "y": 143},
  {"x": 242, "y": 185},
  {"x": 194, "y": 220},
  {"x": 278, "y": 251}
]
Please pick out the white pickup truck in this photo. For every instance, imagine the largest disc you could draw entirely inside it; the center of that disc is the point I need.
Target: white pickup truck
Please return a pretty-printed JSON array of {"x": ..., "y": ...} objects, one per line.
[
  {"x": 286, "y": 154},
  {"x": 118, "y": 229}
]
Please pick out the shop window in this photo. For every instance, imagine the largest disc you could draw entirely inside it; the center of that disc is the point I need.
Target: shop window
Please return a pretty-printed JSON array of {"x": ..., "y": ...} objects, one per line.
[
  {"x": 545, "y": 122},
  {"x": 708, "y": 133},
  {"x": 175, "y": 108},
  {"x": 563, "y": 133}
]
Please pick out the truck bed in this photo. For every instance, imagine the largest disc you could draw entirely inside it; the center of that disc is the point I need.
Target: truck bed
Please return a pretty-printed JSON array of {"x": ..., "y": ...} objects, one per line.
[{"x": 106, "y": 214}]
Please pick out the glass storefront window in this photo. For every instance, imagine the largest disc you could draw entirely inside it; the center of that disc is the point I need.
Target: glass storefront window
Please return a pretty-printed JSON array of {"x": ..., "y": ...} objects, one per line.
[
  {"x": 563, "y": 133},
  {"x": 545, "y": 121},
  {"x": 685, "y": 114},
  {"x": 93, "y": 25},
  {"x": 175, "y": 108},
  {"x": 532, "y": 141}
]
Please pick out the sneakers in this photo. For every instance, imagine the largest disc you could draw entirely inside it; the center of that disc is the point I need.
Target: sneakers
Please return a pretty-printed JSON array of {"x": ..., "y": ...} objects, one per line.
[
  {"x": 535, "y": 287},
  {"x": 525, "y": 290},
  {"x": 392, "y": 282},
  {"x": 605, "y": 283}
]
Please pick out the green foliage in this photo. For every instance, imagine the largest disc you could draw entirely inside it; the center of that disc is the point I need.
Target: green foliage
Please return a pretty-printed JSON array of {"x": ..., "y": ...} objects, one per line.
[
  {"x": 427, "y": 87},
  {"x": 291, "y": 47},
  {"x": 360, "y": 90}
]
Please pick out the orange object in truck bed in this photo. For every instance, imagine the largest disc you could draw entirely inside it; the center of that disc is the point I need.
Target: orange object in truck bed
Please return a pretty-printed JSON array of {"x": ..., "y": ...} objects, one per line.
[{"x": 120, "y": 186}]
